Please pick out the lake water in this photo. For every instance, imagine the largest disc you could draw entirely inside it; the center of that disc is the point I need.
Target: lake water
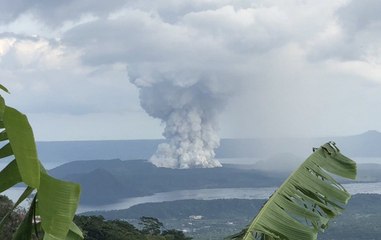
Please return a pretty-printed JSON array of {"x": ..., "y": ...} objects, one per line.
[
  {"x": 199, "y": 194},
  {"x": 217, "y": 193},
  {"x": 249, "y": 161},
  {"x": 203, "y": 194}
]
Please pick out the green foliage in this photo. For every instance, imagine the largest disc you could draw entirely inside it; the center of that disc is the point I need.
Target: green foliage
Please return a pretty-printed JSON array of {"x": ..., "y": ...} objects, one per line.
[
  {"x": 22, "y": 145},
  {"x": 306, "y": 201},
  {"x": 24, "y": 231},
  {"x": 151, "y": 226},
  {"x": 174, "y": 235},
  {"x": 55, "y": 201},
  {"x": 97, "y": 228},
  {"x": 14, "y": 219}
]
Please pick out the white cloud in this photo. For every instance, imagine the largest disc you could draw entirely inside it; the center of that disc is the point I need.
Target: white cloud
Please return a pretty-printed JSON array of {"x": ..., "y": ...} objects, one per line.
[
  {"x": 362, "y": 69},
  {"x": 300, "y": 64},
  {"x": 46, "y": 77}
]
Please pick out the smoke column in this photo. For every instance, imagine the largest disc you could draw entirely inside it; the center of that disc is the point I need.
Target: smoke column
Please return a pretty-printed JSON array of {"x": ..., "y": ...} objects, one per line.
[{"x": 188, "y": 106}]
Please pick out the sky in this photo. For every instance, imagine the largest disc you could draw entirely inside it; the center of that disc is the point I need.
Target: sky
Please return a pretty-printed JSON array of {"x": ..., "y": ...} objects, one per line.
[{"x": 291, "y": 68}]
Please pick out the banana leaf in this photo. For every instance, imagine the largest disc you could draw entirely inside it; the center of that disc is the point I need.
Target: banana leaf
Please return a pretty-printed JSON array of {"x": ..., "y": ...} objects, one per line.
[
  {"x": 4, "y": 88},
  {"x": 57, "y": 200},
  {"x": 9, "y": 176},
  {"x": 303, "y": 205},
  {"x": 24, "y": 231},
  {"x": 74, "y": 233},
  {"x": 21, "y": 141}
]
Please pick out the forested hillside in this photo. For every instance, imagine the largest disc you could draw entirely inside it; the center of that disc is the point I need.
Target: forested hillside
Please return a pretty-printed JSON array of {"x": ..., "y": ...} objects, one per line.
[{"x": 215, "y": 219}]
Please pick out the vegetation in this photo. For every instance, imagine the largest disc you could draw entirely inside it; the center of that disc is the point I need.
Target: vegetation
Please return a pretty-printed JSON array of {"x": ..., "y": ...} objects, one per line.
[
  {"x": 306, "y": 201},
  {"x": 97, "y": 228},
  {"x": 151, "y": 226},
  {"x": 216, "y": 224},
  {"x": 14, "y": 219},
  {"x": 54, "y": 203}
]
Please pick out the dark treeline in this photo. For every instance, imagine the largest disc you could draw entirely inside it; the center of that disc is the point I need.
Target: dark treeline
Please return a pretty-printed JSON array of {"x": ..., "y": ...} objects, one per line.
[{"x": 95, "y": 227}]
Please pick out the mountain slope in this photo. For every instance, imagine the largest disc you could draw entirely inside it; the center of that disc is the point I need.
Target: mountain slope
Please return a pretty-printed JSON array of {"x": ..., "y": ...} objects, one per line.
[{"x": 108, "y": 181}]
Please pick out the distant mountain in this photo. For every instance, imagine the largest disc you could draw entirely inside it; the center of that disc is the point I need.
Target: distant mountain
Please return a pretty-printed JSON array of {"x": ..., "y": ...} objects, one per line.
[
  {"x": 363, "y": 145},
  {"x": 108, "y": 181},
  {"x": 87, "y": 166},
  {"x": 367, "y": 144},
  {"x": 277, "y": 163},
  {"x": 100, "y": 186}
]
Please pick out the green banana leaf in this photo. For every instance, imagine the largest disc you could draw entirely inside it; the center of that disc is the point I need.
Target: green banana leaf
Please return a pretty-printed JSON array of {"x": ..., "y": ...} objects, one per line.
[
  {"x": 4, "y": 88},
  {"x": 21, "y": 140},
  {"x": 303, "y": 205},
  {"x": 57, "y": 200},
  {"x": 24, "y": 231},
  {"x": 74, "y": 233},
  {"x": 23, "y": 196},
  {"x": 57, "y": 215},
  {"x": 9, "y": 176}
]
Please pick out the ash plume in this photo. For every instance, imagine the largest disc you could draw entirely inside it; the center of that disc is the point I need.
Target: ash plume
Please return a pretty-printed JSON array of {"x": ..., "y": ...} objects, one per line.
[{"x": 188, "y": 106}]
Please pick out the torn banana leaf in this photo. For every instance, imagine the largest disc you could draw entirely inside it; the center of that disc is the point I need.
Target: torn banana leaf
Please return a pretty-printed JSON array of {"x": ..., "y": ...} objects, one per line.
[{"x": 305, "y": 203}]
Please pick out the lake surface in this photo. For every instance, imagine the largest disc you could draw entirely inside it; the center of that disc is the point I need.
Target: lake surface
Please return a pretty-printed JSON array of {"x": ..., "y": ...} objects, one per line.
[
  {"x": 217, "y": 193},
  {"x": 202, "y": 194},
  {"x": 199, "y": 194},
  {"x": 252, "y": 160},
  {"x": 240, "y": 161}
]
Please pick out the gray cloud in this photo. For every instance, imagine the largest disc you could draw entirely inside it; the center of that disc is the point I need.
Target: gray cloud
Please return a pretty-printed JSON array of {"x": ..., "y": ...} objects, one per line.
[
  {"x": 172, "y": 11},
  {"x": 54, "y": 13},
  {"x": 45, "y": 78},
  {"x": 297, "y": 67},
  {"x": 140, "y": 37},
  {"x": 5, "y": 35},
  {"x": 354, "y": 32},
  {"x": 360, "y": 15},
  {"x": 10, "y": 10}
]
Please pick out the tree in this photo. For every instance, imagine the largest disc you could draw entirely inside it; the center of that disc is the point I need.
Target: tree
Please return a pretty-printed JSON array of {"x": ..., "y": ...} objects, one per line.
[
  {"x": 97, "y": 228},
  {"x": 306, "y": 201},
  {"x": 55, "y": 201},
  {"x": 150, "y": 225},
  {"x": 14, "y": 219},
  {"x": 174, "y": 235}
]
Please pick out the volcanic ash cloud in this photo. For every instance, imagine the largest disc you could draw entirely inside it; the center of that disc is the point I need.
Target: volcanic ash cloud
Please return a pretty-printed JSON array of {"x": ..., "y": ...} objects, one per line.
[{"x": 189, "y": 109}]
